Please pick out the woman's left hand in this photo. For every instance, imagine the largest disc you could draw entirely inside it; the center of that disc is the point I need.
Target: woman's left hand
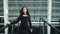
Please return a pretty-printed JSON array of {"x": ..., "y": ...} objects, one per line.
[{"x": 31, "y": 30}]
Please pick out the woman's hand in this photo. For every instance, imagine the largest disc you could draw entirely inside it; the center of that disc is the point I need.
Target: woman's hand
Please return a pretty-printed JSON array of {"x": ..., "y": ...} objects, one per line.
[
  {"x": 31, "y": 30},
  {"x": 8, "y": 23}
]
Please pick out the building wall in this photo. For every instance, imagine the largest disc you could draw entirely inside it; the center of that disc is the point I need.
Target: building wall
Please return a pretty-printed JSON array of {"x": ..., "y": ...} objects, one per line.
[{"x": 37, "y": 9}]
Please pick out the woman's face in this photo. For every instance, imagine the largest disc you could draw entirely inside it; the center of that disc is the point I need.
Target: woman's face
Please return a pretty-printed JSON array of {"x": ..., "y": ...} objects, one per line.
[{"x": 24, "y": 9}]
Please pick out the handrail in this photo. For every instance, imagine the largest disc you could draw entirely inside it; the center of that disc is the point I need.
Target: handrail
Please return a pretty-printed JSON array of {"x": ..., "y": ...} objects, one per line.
[
  {"x": 4, "y": 27},
  {"x": 7, "y": 25},
  {"x": 48, "y": 24}
]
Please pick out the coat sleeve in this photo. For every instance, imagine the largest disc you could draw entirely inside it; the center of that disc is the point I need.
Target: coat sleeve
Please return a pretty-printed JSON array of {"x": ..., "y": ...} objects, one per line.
[
  {"x": 18, "y": 19},
  {"x": 30, "y": 23}
]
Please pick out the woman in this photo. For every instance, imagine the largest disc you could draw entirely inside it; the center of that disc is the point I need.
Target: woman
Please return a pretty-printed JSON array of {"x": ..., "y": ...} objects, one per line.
[{"x": 24, "y": 17}]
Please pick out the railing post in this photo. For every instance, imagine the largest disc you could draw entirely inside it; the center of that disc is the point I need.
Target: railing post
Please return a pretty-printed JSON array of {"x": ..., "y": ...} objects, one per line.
[
  {"x": 45, "y": 22},
  {"x": 40, "y": 25},
  {"x": 44, "y": 28},
  {"x": 59, "y": 21},
  {"x": 5, "y": 14},
  {"x": 13, "y": 28},
  {"x": 49, "y": 15}
]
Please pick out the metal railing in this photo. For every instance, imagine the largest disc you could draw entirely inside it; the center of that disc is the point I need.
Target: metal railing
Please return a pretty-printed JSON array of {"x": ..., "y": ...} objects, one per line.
[
  {"x": 44, "y": 24},
  {"x": 3, "y": 28},
  {"x": 43, "y": 28}
]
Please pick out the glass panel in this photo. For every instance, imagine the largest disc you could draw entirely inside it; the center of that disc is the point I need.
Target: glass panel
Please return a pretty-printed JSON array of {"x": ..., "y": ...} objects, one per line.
[
  {"x": 1, "y": 16},
  {"x": 32, "y": 0},
  {"x": 1, "y": 13},
  {"x": 55, "y": 15},
  {"x": 55, "y": 0},
  {"x": 36, "y": 9},
  {"x": 1, "y": 20},
  {"x": 12, "y": 0},
  {"x": 13, "y": 12},
  {"x": 1, "y": 8},
  {"x": 1, "y": 0},
  {"x": 56, "y": 5},
  {"x": 11, "y": 18},
  {"x": 55, "y": 10}
]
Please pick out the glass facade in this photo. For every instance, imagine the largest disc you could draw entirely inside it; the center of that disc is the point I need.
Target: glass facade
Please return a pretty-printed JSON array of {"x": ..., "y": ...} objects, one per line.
[
  {"x": 37, "y": 8},
  {"x": 1, "y": 15},
  {"x": 1, "y": 12},
  {"x": 55, "y": 10}
]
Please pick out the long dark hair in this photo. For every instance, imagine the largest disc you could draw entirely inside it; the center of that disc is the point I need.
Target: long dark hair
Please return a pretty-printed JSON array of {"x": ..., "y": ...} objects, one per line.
[{"x": 21, "y": 11}]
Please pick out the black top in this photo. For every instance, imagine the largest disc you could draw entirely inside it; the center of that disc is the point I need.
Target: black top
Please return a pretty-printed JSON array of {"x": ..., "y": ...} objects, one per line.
[{"x": 25, "y": 20}]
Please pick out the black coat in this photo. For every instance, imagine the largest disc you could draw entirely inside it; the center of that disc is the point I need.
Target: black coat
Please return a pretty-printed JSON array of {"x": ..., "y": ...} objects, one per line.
[{"x": 25, "y": 24}]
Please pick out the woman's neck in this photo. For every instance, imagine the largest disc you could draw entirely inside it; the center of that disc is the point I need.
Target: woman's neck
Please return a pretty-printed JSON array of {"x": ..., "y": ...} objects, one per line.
[{"x": 25, "y": 13}]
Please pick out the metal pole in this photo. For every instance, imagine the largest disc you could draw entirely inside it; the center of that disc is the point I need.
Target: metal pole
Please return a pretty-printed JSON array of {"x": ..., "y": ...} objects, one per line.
[
  {"x": 49, "y": 15},
  {"x": 44, "y": 28},
  {"x": 59, "y": 21},
  {"x": 40, "y": 26},
  {"x": 5, "y": 14},
  {"x": 13, "y": 28}
]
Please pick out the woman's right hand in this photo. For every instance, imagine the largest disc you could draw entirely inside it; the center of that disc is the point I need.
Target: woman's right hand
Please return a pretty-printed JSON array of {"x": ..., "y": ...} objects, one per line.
[{"x": 8, "y": 23}]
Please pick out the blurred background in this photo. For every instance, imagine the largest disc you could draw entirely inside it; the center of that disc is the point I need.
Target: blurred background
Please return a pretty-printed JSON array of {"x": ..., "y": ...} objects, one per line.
[{"x": 49, "y": 10}]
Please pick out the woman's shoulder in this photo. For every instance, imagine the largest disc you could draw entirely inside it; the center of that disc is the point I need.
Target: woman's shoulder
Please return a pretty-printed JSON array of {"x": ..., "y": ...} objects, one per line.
[{"x": 24, "y": 16}]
